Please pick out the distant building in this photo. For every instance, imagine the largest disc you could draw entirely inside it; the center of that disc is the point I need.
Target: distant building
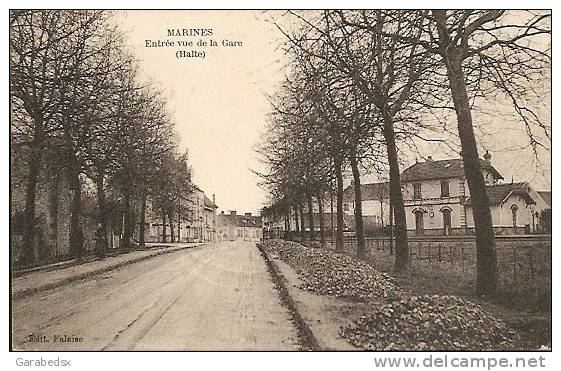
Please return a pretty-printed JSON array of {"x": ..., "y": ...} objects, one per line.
[
  {"x": 375, "y": 205},
  {"x": 195, "y": 222},
  {"x": 209, "y": 219},
  {"x": 234, "y": 227},
  {"x": 437, "y": 201}
]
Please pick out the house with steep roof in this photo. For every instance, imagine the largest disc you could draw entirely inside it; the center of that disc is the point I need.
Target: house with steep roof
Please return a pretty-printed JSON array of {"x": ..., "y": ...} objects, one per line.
[
  {"x": 434, "y": 193},
  {"x": 513, "y": 207},
  {"x": 437, "y": 200},
  {"x": 239, "y": 227}
]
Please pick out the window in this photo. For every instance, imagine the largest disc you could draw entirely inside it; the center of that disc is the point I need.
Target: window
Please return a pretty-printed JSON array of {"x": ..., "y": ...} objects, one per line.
[
  {"x": 417, "y": 195},
  {"x": 346, "y": 207},
  {"x": 445, "y": 188},
  {"x": 153, "y": 230},
  {"x": 447, "y": 221},
  {"x": 514, "y": 210},
  {"x": 419, "y": 224}
]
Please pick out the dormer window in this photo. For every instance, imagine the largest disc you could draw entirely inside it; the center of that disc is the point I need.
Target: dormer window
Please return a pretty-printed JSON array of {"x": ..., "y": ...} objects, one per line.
[
  {"x": 417, "y": 195},
  {"x": 444, "y": 188}
]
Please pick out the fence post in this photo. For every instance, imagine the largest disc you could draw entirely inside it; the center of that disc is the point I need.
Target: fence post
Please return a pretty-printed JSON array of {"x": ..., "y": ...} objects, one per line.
[
  {"x": 439, "y": 253},
  {"x": 514, "y": 264},
  {"x": 451, "y": 256},
  {"x": 531, "y": 262},
  {"x": 430, "y": 258},
  {"x": 462, "y": 256},
  {"x": 419, "y": 249}
]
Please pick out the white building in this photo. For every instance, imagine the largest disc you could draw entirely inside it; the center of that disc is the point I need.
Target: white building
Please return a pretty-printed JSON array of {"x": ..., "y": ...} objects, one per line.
[{"x": 437, "y": 201}]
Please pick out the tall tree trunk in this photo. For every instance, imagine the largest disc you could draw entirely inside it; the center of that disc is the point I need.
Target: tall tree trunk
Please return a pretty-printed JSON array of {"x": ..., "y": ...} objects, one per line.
[
  {"x": 172, "y": 231},
  {"x": 142, "y": 226},
  {"x": 179, "y": 226},
  {"x": 311, "y": 217},
  {"x": 54, "y": 200},
  {"x": 391, "y": 229},
  {"x": 164, "y": 231},
  {"x": 321, "y": 220},
  {"x": 396, "y": 198},
  {"x": 331, "y": 216},
  {"x": 359, "y": 226},
  {"x": 296, "y": 220},
  {"x": 76, "y": 232},
  {"x": 339, "y": 246},
  {"x": 485, "y": 236},
  {"x": 302, "y": 223},
  {"x": 27, "y": 256},
  {"x": 128, "y": 228},
  {"x": 101, "y": 251}
]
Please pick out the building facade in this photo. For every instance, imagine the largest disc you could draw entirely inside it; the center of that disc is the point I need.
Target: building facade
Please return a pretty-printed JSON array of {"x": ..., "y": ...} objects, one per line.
[
  {"x": 233, "y": 227},
  {"x": 195, "y": 220},
  {"x": 437, "y": 201},
  {"x": 375, "y": 205}
]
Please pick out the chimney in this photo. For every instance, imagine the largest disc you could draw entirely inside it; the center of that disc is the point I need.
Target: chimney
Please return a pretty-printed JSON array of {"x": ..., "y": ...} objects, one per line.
[
  {"x": 487, "y": 156},
  {"x": 429, "y": 158},
  {"x": 222, "y": 212},
  {"x": 233, "y": 212},
  {"x": 214, "y": 199},
  {"x": 247, "y": 214}
]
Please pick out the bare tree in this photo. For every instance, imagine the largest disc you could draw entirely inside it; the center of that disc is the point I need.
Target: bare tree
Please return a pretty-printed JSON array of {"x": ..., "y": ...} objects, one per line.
[{"x": 489, "y": 54}]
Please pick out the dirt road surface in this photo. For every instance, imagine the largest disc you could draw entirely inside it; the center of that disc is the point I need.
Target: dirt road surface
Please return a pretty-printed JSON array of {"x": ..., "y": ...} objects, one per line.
[{"x": 213, "y": 297}]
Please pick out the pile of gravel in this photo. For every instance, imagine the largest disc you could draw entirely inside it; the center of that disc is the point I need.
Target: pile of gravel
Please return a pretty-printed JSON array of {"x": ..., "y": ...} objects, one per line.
[
  {"x": 429, "y": 323},
  {"x": 329, "y": 273}
]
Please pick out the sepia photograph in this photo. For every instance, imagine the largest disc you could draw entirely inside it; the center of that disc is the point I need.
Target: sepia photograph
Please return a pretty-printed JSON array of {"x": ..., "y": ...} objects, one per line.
[{"x": 281, "y": 180}]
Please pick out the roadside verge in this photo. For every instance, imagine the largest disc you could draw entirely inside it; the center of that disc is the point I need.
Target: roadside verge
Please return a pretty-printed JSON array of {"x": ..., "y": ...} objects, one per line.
[
  {"x": 45, "y": 280},
  {"x": 316, "y": 317}
]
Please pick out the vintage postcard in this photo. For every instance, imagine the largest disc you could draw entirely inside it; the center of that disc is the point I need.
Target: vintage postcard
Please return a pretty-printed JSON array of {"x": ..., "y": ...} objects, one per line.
[{"x": 280, "y": 180}]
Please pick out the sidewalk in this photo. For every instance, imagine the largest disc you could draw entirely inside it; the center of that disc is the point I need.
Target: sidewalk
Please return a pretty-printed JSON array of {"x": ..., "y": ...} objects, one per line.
[
  {"x": 320, "y": 317},
  {"x": 44, "y": 280}
]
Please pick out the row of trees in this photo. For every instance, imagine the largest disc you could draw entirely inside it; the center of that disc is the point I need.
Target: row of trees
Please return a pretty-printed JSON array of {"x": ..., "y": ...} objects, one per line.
[
  {"x": 78, "y": 105},
  {"x": 365, "y": 86}
]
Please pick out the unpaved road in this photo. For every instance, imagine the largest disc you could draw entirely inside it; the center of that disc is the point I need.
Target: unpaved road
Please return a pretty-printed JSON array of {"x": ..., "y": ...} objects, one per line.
[{"x": 214, "y": 297}]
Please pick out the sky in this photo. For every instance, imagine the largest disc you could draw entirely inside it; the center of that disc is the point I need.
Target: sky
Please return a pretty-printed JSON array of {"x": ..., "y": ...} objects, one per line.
[{"x": 219, "y": 102}]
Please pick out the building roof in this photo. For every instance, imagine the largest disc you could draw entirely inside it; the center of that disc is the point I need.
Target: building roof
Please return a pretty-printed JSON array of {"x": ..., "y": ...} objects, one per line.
[
  {"x": 209, "y": 204},
  {"x": 438, "y": 169},
  {"x": 370, "y": 191},
  {"x": 229, "y": 220},
  {"x": 546, "y": 196},
  {"x": 500, "y": 192}
]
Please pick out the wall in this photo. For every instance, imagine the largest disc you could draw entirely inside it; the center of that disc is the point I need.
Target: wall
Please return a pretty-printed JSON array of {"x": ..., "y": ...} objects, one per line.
[
  {"x": 433, "y": 225},
  {"x": 229, "y": 233},
  {"x": 430, "y": 189},
  {"x": 371, "y": 208}
]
